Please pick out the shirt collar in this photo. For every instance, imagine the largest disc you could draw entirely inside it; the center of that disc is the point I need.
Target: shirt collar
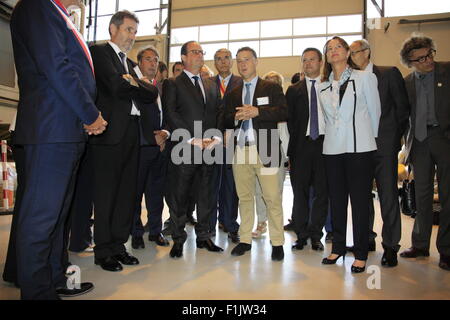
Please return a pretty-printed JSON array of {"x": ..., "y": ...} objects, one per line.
[
  {"x": 116, "y": 48},
  {"x": 226, "y": 79},
  {"x": 253, "y": 81},
  {"x": 309, "y": 79},
  {"x": 423, "y": 76},
  {"x": 190, "y": 74},
  {"x": 369, "y": 67}
]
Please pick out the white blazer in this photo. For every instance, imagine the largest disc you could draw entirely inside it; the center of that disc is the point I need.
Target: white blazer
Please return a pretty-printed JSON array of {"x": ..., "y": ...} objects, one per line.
[{"x": 353, "y": 126}]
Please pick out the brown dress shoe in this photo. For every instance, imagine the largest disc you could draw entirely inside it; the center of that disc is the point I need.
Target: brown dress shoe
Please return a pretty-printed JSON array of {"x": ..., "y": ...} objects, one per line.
[{"x": 414, "y": 253}]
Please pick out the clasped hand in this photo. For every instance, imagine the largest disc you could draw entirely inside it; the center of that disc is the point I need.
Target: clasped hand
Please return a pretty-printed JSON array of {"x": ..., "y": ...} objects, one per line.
[
  {"x": 97, "y": 127},
  {"x": 205, "y": 143},
  {"x": 246, "y": 112}
]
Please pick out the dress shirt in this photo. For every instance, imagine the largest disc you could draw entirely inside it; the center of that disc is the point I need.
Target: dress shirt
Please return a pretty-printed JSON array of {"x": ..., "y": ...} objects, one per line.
[
  {"x": 319, "y": 109},
  {"x": 134, "y": 110},
  {"x": 253, "y": 83},
  {"x": 200, "y": 82}
]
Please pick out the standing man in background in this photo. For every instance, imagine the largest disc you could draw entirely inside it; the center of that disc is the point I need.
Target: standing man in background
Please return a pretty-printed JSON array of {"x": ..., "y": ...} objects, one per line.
[
  {"x": 115, "y": 153},
  {"x": 226, "y": 189},
  {"x": 393, "y": 123},
  {"x": 57, "y": 92}
]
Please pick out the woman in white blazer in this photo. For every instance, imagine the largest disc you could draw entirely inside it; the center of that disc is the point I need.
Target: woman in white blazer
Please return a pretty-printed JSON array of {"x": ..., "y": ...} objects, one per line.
[{"x": 351, "y": 107}]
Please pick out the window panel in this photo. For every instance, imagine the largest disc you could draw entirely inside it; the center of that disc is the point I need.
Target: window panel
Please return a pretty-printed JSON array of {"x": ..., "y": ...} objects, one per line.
[
  {"x": 246, "y": 30},
  {"x": 147, "y": 22},
  {"x": 182, "y": 35},
  {"x": 276, "y": 48},
  {"x": 212, "y": 48},
  {"x": 395, "y": 8},
  {"x": 372, "y": 12},
  {"x": 103, "y": 28},
  {"x": 235, "y": 46},
  {"x": 350, "y": 39},
  {"x": 303, "y": 43},
  {"x": 276, "y": 28},
  {"x": 105, "y": 7},
  {"x": 214, "y": 33},
  {"x": 343, "y": 24},
  {"x": 307, "y": 26},
  {"x": 134, "y": 5},
  {"x": 175, "y": 54}
]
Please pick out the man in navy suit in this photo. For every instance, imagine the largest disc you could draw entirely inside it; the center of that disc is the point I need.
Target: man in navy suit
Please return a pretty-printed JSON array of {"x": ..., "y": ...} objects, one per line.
[
  {"x": 152, "y": 158},
  {"x": 226, "y": 189},
  {"x": 57, "y": 92}
]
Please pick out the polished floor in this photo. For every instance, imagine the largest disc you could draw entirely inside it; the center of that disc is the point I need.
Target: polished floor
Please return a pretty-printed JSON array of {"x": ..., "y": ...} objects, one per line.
[{"x": 200, "y": 274}]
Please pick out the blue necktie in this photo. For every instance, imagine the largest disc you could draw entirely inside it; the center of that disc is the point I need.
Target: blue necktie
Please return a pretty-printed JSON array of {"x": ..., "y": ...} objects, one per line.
[
  {"x": 313, "y": 117},
  {"x": 246, "y": 123}
]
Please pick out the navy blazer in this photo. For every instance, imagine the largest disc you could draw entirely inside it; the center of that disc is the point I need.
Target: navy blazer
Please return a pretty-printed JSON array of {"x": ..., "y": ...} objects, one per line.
[{"x": 56, "y": 83}]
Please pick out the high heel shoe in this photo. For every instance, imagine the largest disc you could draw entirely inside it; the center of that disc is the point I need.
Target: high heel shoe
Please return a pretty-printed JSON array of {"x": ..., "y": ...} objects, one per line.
[
  {"x": 333, "y": 261},
  {"x": 356, "y": 269}
]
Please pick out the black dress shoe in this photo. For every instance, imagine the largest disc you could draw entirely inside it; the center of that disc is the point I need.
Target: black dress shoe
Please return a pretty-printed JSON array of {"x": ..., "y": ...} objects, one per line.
[
  {"x": 414, "y": 253},
  {"x": 356, "y": 269},
  {"x": 316, "y": 245},
  {"x": 277, "y": 253},
  {"x": 137, "y": 242},
  {"x": 444, "y": 262},
  {"x": 191, "y": 220},
  {"x": 126, "y": 258},
  {"x": 389, "y": 258},
  {"x": 109, "y": 264},
  {"x": 329, "y": 237},
  {"x": 234, "y": 236},
  {"x": 177, "y": 250},
  {"x": 85, "y": 287},
  {"x": 159, "y": 239},
  {"x": 240, "y": 249},
  {"x": 289, "y": 226},
  {"x": 299, "y": 244},
  {"x": 167, "y": 231},
  {"x": 209, "y": 245}
]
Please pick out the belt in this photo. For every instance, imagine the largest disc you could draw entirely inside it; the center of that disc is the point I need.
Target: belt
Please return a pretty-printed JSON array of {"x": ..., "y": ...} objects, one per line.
[{"x": 319, "y": 138}]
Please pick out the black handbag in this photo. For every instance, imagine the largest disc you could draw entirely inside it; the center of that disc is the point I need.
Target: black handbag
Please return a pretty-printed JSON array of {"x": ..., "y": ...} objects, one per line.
[{"x": 407, "y": 198}]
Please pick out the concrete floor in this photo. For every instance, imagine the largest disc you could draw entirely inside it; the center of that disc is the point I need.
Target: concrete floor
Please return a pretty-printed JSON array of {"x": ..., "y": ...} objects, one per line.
[{"x": 204, "y": 275}]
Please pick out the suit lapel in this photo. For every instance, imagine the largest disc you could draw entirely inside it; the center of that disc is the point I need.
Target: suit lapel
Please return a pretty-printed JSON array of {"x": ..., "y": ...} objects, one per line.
[
  {"x": 115, "y": 58},
  {"x": 259, "y": 91},
  {"x": 439, "y": 80},
  {"x": 411, "y": 88},
  {"x": 191, "y": 88},
  {"x": 304, "y": 95}
]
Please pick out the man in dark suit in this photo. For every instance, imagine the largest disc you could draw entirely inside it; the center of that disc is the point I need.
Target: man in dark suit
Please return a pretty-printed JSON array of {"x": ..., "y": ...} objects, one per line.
[
  {"x": 191, "y": 106},
  {"x": 57, "y": 92},
  {"x": 152, "y": 158},
  {"x": 115, "y": 154},
  {"x": 306, "y": 129},
  {"x": 428, "y": 144},
  {"x": 393, "y": 122},
  {"x": 227, "y": 196},
  {"x": 255, "y": 111}
]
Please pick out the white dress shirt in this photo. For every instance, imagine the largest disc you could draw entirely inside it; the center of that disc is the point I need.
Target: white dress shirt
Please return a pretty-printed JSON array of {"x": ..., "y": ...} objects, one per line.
[
  {"x": 134, "y": 111},
  {"x": 319, "y": 108},
  {"x": 190, "y": 75}
]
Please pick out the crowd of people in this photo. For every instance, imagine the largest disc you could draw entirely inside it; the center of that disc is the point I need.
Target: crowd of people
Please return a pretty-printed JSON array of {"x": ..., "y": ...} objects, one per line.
[{"x": 96, "y": 132}]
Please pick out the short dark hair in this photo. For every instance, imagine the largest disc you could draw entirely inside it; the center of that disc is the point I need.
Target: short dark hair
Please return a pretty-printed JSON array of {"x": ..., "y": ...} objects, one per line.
[
  {"x": 184, "y": 47},
  {"x": 413, "y": 43},
  {"x": 295, "y": 78},
  {"x": 175, "y": 64},
  {"x": 119, "y": 16},
  {"x": 162, "y": 67},
  {"x": 319, "y": 54},
  {"x": 247, "y": 49},
  {"x": 143, "y": 50},
  {"x": 327, "y": 66}
]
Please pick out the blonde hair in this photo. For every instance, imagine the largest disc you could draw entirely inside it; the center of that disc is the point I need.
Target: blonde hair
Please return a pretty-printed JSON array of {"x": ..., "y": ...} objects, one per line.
[{"x": 274, "y": 75}]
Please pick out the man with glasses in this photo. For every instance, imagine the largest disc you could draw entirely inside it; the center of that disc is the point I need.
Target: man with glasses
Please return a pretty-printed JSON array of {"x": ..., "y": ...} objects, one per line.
[
  {"x": 193, "y": 105},
  {"x": 428, "y": 144},
  {"x": 393, "y": 123}
]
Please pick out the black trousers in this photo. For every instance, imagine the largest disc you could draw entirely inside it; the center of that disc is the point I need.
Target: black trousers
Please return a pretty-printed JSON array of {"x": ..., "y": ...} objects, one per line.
[
  {"x": 10, "y": 270},
  {"x": 386, "y": 176},
  {"x": 151, "y": 183},
  {"x": 350, "y": 174},
  {"x": 115, "y": 180},
  {"x": 181, "y": 180},
  {"x": 308, "y": 169},
  {"x": 429, "y": 157}
]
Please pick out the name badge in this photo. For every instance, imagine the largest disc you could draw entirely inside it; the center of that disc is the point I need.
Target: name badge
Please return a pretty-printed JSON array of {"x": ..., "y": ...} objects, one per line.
[{"x": 262, "y": 101}]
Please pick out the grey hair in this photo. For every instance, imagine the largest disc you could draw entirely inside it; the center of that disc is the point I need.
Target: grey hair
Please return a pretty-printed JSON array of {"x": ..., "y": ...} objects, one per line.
[
  {"x": 223, "y": 50},
  {"x": 119, "y": 16},
  {"x": 416, "y": 41},
  {"x": 147, "y": 48},
  {"x": 364, "y": 45}
]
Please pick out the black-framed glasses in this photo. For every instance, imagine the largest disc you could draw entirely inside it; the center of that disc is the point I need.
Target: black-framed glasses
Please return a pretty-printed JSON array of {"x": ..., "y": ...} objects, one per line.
[
  {"x": 198, "y": 52},
  {"x": 430, "y": 55},
  {"x": 358, "y": 51}
]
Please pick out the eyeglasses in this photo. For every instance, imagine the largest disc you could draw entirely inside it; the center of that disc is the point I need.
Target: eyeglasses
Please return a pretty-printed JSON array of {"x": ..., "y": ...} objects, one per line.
[
  {"x": 198, "y": 52},
  {"x": 358, "y": 51},
  {"x": 430, "y": 55}
]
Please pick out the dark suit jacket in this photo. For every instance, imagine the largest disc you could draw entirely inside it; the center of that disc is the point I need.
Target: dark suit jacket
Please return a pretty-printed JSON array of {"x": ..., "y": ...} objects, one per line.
[
  {"x": 269, "y": 115},
  {"x": 57, "y": 86},
  {"x": 395, "y": 109},
  {"x": 115, "y": 95},
  {"x": 182, "y": 105},
  {"x": 441, "y": 98},
  {"x": 233, "y": 83},
  {"x": 298, "y": 116}
]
